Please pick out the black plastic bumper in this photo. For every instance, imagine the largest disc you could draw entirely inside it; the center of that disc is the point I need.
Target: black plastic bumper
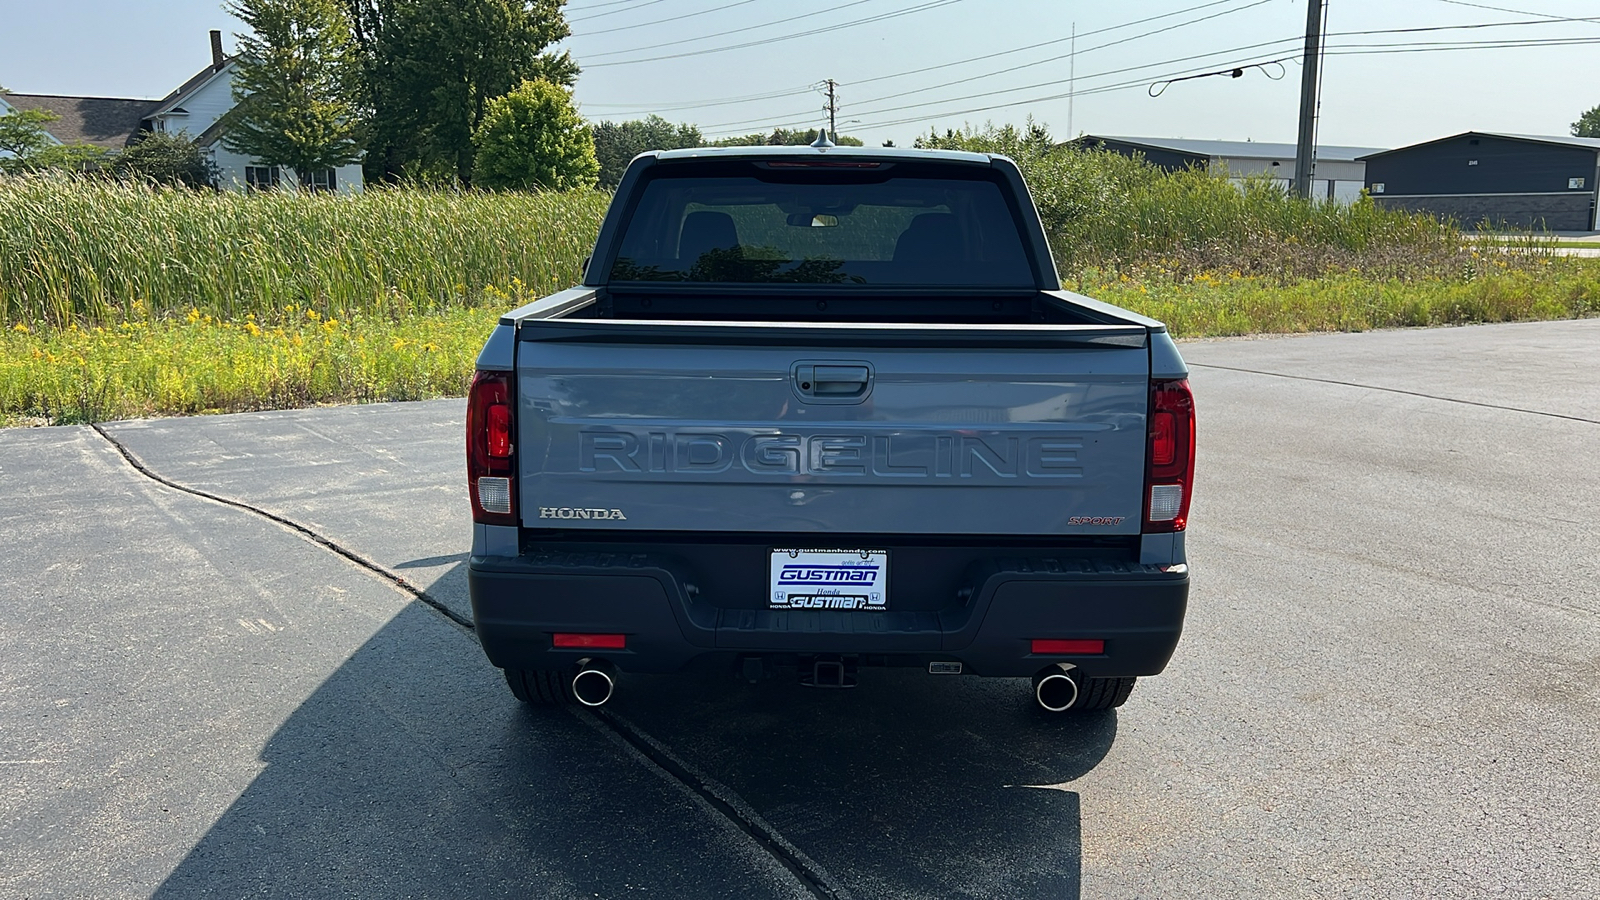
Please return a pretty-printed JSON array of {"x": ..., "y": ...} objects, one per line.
[{"x": 985, "y": 617}]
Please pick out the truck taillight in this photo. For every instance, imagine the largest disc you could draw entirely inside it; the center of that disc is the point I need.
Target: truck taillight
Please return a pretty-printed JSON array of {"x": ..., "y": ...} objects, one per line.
[
  {"x": 1169, "y": 460},
  {"x": 491, "y": 474}
]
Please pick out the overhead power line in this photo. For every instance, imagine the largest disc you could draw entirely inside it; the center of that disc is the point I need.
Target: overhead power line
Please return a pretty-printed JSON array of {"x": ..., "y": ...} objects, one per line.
[
  {"x": 989, "y": 56},
  {"x": 1441, "y": 46},
  {"x": 706, "y": 37},
  {"x": 881, "y": 17},
  {"x": 702, "y": 12},
  {"x": 1139, "y": 82},
  {"x": 1084, "y": 52},
  {"x": 1518, "y": 12},
  {"x": 1125, "y": 69},
  {"x": 1058, "y": 81},
  {"x": 588, "y": 6},
  {"x": 681, "y": 105},
  {"x": 803, "y": 117},
  {"x": 1144, "y": 82},
  {"x": 646, "y": 108},
  {"x": 639, "y": 6},
  {"x": 971, "y": 78},
  {"x": 1358, "y": 50}
]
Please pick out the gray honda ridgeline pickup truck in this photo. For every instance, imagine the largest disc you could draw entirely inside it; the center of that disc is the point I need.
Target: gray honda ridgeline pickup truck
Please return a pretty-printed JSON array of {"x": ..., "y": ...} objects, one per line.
[{"x": 817, "y": 408}]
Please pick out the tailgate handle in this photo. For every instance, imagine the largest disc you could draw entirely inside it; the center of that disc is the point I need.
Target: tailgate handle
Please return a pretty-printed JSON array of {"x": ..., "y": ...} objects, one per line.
[
  {"x": 839, "y": 379},
  {"x": 833, "y": 382}
]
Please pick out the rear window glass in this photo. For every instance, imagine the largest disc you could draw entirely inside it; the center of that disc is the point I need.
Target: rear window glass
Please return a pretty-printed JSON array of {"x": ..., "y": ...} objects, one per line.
[{"x": 747, "y": 230}]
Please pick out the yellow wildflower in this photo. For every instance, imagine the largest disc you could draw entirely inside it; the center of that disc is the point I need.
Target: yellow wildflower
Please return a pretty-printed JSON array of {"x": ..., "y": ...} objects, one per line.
[
  {"x": 20, "y": 327},
  {"x": 194, "y": 315},
  {"x": 253, "y": 329},
  {"x": 312, "y": 315}
]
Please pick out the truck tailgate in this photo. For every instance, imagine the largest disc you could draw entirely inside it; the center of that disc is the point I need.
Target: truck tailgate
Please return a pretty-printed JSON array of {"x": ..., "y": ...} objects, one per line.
[{"x": 806, "y": 429}]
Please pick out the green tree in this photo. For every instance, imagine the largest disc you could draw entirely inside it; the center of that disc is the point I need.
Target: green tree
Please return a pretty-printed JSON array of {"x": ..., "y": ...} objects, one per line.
[
  {"x": 165, "y": 158},
  {"x": 784, "y": 137},
  {"x": 438, "y": 63},
  {"x": 533, "y": 138},
  {"x": 617, "y": 143},
  {"x": 1588, "y": 124},
  {"x": 1030, "y": 141},
  {"x": 84, "y": 158},
  {"x": 22, "y": 133},
  {"x": 296, "y": 86}
]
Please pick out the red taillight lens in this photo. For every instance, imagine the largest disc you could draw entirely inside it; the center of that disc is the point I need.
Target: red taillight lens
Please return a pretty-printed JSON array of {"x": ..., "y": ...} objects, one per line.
[
  {"x": 499, "y": 431},
  {"x": 491, "y": 474},
  {"x": 1169, "y": 466},
  {"x": 1163, "y": 438},
  {"x": 1044, "y": 647},
  {"x": 596, "y": 641}
]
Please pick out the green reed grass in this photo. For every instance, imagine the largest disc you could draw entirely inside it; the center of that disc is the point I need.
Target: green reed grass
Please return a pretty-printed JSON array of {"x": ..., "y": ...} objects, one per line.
[
  {"x": 93, "y": 252},
  {"x": 120, "y": 301}
]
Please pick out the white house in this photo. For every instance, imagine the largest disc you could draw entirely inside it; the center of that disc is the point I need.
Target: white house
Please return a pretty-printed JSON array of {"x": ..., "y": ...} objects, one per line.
[{"x": 195, "y": 108}]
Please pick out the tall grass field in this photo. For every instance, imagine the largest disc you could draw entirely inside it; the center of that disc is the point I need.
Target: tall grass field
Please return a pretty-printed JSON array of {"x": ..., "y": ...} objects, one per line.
[
  {"x": 97, "y": 252},
  {"x": 121, "y": 301}
]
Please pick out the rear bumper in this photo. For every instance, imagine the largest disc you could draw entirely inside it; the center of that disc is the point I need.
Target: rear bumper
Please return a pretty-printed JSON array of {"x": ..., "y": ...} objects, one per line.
[{"x": 996, "y": 607}]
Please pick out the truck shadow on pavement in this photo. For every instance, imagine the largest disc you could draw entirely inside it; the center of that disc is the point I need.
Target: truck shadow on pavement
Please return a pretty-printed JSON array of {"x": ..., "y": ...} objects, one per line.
[
  {"x": 410, "y": 772},
  {"x": 910, "y": 785}
]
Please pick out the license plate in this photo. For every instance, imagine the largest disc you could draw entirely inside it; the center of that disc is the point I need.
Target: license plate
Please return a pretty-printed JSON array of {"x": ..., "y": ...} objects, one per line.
[{"x": 829, "y": 579}]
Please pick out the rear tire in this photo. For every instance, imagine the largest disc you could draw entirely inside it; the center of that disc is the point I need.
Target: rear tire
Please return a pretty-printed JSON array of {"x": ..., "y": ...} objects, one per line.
[
  {"x": 540, "y": 687},
  {"x": 1102, "y": 693}
]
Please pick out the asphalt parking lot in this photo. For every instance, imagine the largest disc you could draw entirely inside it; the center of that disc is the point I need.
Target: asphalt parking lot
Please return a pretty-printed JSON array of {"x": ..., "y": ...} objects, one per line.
[{"x": 1389, "y": 685}]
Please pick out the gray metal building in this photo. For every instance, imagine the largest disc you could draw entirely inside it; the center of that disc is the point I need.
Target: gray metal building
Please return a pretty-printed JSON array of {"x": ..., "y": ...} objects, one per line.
[
  {"x": 1337, "y": 172},
  {"x": 1506, "y": 180}
]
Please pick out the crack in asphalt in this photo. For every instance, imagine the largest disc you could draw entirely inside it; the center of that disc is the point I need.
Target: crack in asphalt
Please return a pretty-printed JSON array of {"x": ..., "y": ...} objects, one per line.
[
  {"x": 303, "y": 531},
  {"x": 723, "y": 801},
  {"x": 1374, "y": 387}
]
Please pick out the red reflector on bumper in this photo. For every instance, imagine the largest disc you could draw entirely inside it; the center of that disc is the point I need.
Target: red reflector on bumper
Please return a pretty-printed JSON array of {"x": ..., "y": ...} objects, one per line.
[
  {"x": 600, "y": 641},
  {"x": 1069, "y": 648}
]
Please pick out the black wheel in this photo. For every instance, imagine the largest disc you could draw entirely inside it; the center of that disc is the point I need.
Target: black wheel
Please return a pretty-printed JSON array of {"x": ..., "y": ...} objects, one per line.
[
  {"x": 1102, "y": 693},
  {"x": 540, "y": 687}
]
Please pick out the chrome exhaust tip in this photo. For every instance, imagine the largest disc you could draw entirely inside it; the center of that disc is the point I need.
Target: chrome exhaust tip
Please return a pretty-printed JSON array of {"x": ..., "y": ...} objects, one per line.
[
  {"x": 595, "y": 682},
  {"x": 1055, "y": 688}
]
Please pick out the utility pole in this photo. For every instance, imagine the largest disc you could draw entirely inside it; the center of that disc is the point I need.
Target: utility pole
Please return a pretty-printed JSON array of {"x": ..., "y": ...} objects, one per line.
[
  {"x": 1072, "y": 80},
  {"x": 832, "y": 109},
  {"x": 1305, "y": 147}
]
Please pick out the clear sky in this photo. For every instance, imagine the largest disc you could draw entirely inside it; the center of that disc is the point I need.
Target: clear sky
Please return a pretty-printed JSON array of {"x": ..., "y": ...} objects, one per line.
[{"x": 903, "y": 66}]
